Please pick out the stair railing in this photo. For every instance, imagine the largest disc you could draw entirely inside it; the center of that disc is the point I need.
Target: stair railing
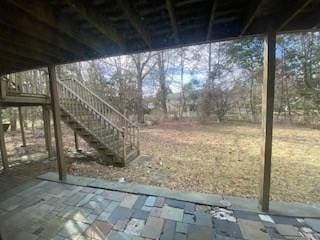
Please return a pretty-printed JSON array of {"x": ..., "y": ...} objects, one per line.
[
  {"x": 129, "y": 130},
  {"x": 75, "y": 106}
]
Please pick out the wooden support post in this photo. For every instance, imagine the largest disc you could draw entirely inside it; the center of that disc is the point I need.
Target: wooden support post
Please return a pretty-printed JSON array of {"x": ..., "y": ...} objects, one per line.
[
  {"x": 267, "y": 117},
  {"x": 3, "y": 149},
  {"x": 3, "y": 88},
  {"x": 56, "y": 121},
  {"x": 22, "y": 127},
  {"x": 47, "y": 129},
  {"x": 76, "y": 142}
]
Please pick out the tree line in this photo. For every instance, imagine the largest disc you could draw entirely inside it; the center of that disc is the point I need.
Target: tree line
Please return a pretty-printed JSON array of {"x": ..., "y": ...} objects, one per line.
[{"x": 217, "y": 81}]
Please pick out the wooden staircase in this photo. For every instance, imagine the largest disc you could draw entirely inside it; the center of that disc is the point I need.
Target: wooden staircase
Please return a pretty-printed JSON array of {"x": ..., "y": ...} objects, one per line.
[{"x": 115, "y": 138}]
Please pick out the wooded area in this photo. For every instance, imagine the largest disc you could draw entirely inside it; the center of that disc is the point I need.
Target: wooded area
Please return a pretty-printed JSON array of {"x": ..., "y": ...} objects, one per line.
[{"x": 218, "y": 81}]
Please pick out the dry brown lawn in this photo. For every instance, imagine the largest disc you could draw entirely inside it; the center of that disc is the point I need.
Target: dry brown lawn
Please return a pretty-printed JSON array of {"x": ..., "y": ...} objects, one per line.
[{"x": 215, "y": 158}]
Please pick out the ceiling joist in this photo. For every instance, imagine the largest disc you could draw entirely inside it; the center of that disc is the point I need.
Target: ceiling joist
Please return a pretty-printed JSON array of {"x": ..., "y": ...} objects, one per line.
[
  {"x": 252, "y": 12},
  {"x": 18, "y": 61},
  {"x": 25, "y": 52},
  {"x": 173, "y": 20},
  {"x": 96, "y": 18},
  {"x": 44, "y": 12},
  {"x": 19, "y": 39},
  {"x": 134, "y": 19},
  {"x": 211, "y": 19},
  {"x": 292, "y": 11},
  {"x": 25, "y": 24}
]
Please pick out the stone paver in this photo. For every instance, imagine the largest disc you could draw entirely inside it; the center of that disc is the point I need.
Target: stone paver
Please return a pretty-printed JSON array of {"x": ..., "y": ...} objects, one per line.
[
  {"x": 120, "y": 213},
  {"x": 129, "y": 201},
  {"x": 153, "y": 228},
  {"x": 121, "y": 225},
  {"x": 135, "y": 227},
  {"x": 313, "y": 223},
  {"x": 227, "y": 229},
  {"x": 188, "y": 218},
  {"x": 115, "y": 235},
  {"x": 50, "y": 210},
  {"x": 159, "y": 202},
  {"x": 182, "y": 227},
  {"x": 196, "y": 232},
  {"x": 287, "y": 230},
  {"x": 98, "y": 230},
  {"x": 150, "y": 201},
  {"x": 175, "y": 203},
  {"x": 156, "y": 212},
  {"x": 253, "y": 230},
  {"x": 204, "y": 219},
  {"x": 169, "y": 230},
  {"x": 140, "y": 214},
  {"x": 140, "y": 202},
  {"x": 171, "y": 213}
]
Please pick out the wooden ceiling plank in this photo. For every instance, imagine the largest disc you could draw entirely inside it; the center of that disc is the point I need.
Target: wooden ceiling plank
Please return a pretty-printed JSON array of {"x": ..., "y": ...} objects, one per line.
[
  {"x": 134, "y": 19},
  {"x": 44, "y": 12},
  {"x": 211, "y": 19},
  {"x": 12, "y": 60},
  {"x": 25, "y": 52},
  {"x": 20, "y": 39},
  {"x": 254, "y": 8},
  {"x": 173, "y": 21},
  {"x": 16, "y": 18},
  {"x": 292, "y": 11},
  {"x": 98, "y": 19}
]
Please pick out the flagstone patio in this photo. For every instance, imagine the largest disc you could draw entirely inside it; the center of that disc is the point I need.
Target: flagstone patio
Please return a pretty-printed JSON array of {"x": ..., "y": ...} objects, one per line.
[{"x": 51, "y": 210}]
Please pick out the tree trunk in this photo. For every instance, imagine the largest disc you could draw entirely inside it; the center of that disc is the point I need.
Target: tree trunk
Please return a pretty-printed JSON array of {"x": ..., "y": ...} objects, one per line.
[
  {"x": 252, "y": 105},
  {"x": 13, "y": 119},
  {"x": 163, "y": 87},
  {"x": 182, "y": 97},
  {"x": 140, "y": 108}
]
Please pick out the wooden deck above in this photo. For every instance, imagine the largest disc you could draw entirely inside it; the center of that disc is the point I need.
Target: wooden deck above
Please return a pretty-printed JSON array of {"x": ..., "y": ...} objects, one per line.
[
  {"x": 24, "y": 100},
  {"x": 37, "y": 33},
  {"x": 12, "y": 94}
]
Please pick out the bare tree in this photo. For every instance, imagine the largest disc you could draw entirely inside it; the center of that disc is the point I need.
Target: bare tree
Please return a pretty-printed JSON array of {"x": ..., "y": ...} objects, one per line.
[{"x": 142, "y": 69}]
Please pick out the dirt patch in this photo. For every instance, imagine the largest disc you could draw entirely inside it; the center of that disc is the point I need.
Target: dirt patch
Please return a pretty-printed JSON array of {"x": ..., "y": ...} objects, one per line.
[{"x": 214, "y": 158}]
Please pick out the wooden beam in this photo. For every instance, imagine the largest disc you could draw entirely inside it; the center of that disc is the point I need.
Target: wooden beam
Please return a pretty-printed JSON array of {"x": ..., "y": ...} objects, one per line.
[
  {"x": 4, "y": 155},
  {"x": 23, "y": 137},
  {"x": 290, "y": 12},
  {"x": 24, "y": 52},
  {"x": 253, "y": 10},
  {"x": 8, "y": 59},
  {"x": 172, "y": 15},
  {"x": 98, "y": 19},
  {"x": 57, "y": 122},
  {"x": 267, "y": 116},
  {"x": 134, "y": 19},
  {"x": 22, "y": 22},
  {"x": 34, "y": 44},
  {"x": 76, "y": 142},
  {"x": 211, "y": 19},
  {"x": 44, "y": 12},
  {"x": 47, "y": 130}
]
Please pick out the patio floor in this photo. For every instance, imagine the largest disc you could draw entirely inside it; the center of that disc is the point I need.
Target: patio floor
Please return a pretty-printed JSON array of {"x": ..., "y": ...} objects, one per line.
[{"x": 51, "y": 210}]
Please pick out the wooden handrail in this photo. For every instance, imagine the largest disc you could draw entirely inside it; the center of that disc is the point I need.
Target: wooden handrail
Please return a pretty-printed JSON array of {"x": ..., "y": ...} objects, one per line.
[
  {"x": 92, "y": 107},
  {"x": 100, "y": 99},
  {"x": 72, "y": 88}
]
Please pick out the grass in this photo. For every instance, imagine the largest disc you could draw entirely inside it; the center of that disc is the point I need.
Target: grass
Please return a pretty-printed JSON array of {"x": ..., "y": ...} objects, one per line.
[{"x": 219, "y": 158}]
